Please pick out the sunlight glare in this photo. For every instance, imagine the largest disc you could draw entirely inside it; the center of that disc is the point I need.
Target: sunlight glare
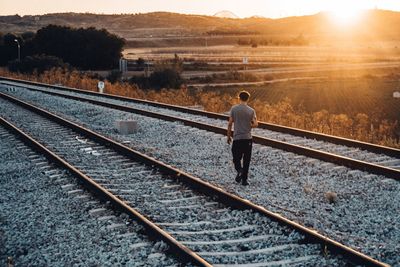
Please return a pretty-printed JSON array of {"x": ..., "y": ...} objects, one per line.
[{"x": 344, "y": 13}]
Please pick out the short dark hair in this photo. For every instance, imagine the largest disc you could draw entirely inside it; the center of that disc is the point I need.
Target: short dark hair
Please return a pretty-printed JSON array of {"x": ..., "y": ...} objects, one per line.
[{"x": 244, "y": 95}]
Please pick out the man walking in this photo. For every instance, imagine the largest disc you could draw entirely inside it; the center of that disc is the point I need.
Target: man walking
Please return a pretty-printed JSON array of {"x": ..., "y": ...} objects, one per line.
[{"x": 244, "y": 118}]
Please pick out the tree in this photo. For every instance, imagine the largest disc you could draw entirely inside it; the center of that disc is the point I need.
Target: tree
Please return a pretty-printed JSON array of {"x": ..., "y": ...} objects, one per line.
[
  {"x": 8, "y": 48},
  {"x": 83, "y": 48},
  {"x": 27, "y": 36},
  {"x": 36, "y": 64}
]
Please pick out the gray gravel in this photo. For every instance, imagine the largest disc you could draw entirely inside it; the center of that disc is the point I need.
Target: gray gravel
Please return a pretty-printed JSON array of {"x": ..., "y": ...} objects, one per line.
[
  {"x": 44, "y": 224},
  {"x": 364, "y": 216},
  {"x": 209, "y": 228}
]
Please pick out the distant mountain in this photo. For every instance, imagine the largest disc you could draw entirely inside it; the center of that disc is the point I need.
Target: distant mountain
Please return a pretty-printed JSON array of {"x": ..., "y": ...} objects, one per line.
[
  {"x": 257, "y": 17},
  {"x": 376, "y": 25},
  {"x": 225, "y": 14}
]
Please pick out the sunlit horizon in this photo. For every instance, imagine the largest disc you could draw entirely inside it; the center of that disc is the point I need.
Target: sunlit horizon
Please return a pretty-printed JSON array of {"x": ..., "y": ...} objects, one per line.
[
  {"x": 344, "y": 13},
  {"x": 343, "y": 10}
]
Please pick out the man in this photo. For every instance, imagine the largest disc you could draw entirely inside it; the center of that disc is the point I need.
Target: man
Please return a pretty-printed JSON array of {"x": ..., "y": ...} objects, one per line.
[{"x": 244, "y": 118}]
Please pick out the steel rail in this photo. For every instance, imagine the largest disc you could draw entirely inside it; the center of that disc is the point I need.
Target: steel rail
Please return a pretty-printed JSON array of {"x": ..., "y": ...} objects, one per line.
[
  {"x": 263, "y": 125},
  {"x": 197, "y": 184},
  {"x": 309, "y": 152},
  {"x": 181, "y": 251}
]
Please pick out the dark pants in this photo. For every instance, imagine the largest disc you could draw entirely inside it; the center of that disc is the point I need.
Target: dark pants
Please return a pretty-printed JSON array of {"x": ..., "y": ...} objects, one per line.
[{"x": 241, "y": 149}]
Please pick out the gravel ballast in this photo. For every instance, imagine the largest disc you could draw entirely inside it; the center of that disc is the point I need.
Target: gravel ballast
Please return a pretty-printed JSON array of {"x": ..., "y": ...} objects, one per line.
[
  {"x": 364, "y": 215},
  {"x": 192, "y": 218},
  {"x": 46, "y": 222}
]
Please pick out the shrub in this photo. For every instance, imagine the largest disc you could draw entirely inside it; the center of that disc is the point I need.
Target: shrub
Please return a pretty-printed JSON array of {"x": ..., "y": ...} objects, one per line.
[
  {"x": 36, "y": 63},
  {"x": 114, "y": 76},
  {"x": 140, "y": 81},
  {"x": 165, "y": 78},
  {"x": 159, "y": 79}
]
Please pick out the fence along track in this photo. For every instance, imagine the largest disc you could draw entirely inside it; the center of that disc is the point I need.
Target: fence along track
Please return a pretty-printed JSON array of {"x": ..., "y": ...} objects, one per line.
[
  {"x": 374, "y": 168},
  {"x": 189, "y": 181},
  {"x": 269, "y": 126}
]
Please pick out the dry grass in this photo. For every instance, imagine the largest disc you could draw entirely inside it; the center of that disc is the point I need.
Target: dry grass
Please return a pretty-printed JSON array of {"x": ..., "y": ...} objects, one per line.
[
  {"x": 308, "y": 190},
  {"x": 359, "y": 126},
  {"x": 331, "y": 197}
]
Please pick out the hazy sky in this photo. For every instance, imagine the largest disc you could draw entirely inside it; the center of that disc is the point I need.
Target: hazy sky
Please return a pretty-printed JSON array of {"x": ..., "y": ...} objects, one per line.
[{"x": 242, "y": 8}]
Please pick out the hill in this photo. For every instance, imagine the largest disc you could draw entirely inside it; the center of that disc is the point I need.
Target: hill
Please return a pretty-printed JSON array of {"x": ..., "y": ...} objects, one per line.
[
  {"x": 376, "y": 25},
  {"x": 226, "y": 14}
]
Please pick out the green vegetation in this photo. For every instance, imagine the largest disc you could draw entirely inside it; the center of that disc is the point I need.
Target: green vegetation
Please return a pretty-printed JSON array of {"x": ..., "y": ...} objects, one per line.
[
  {"x": 36, "y": 63},
  {"x": 230, "y": 76},
  {"x": 8, "y": 48},
  {"x": 166, "y": 74},
  {"x": 231, "y": 32},
  {"x": 165, "y": 77},
  {"x": 300, "y": 40},
  {"x": 81, "y": 48},
  {"x": 114, "y": 76}
]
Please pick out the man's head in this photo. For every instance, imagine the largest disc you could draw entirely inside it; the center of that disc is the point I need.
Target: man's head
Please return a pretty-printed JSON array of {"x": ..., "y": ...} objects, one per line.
[{"x": 244, "y": 96}]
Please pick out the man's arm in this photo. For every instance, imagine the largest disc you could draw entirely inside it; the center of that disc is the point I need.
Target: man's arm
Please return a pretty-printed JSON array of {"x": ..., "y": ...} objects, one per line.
[
  {"x": 229, "y": 132},
  {"x": 254, "y": 122}
]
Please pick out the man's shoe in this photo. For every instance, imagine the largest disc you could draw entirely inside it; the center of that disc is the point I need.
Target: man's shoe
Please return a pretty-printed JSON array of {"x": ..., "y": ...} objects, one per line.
[
  {"x": 244, "y": 182},
  {"x": 238, "y": 177}
]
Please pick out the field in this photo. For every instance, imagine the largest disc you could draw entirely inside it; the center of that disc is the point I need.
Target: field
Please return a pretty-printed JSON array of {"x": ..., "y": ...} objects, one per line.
[
  {"x": 344, "y": 90},
  {"x": 370, "y": 95},
  {"x": 346, "y": 52},
  {"x": 362, "y": 80}
]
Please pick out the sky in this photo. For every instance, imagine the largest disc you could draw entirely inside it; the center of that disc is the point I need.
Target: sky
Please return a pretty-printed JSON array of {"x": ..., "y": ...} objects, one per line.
[{"x": 242, "y": 8}]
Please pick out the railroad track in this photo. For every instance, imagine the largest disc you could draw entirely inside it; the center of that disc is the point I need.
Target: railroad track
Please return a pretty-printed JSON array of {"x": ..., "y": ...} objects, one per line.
[
  {"x": 163, "y": 108},
  {"x": 201, "y": 223},
  {"x": 354, "y": 154},
  {"x": 28, "y": 173}
]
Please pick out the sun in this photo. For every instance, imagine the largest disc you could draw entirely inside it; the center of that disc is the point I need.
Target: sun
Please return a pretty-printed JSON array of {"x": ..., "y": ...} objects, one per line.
[{"x": 345, "y": 13}]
